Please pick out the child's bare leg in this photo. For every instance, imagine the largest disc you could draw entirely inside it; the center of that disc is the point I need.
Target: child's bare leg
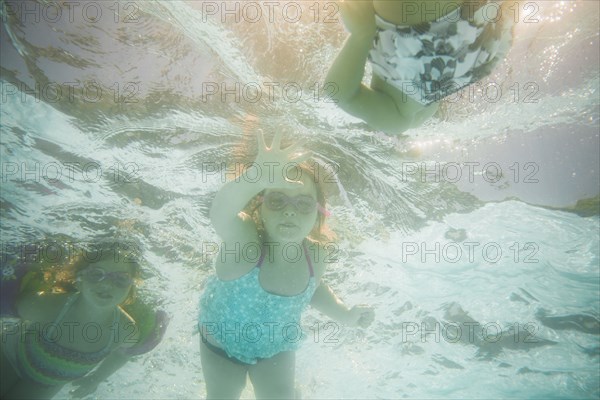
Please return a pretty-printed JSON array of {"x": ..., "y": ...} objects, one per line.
[
  {"x": 224, "y": 378},
  {"x": 424, "y": 114},
  {"x": 273, "y": 378},
  {"x": 409, "y": 110}
]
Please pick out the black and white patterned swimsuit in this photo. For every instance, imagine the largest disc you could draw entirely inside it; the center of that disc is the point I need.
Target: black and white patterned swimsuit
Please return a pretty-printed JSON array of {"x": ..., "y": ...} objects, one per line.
[{"x": 433, "y": 60}]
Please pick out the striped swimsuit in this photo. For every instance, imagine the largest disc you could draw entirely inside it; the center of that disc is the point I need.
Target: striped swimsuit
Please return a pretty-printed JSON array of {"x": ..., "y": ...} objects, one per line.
[{"x": 37, "y": 358}]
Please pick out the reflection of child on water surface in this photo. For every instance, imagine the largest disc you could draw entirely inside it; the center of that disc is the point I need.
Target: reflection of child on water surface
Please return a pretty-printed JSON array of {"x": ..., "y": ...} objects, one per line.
[
  {"x": 69, "y": 322},
  {"x": 420, "y": 51},
  {"x": 250, "y": 311}
]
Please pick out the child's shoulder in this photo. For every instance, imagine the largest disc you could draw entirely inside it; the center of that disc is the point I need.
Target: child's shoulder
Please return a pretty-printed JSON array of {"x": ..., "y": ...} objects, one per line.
[{"x": 41, "y": 307}]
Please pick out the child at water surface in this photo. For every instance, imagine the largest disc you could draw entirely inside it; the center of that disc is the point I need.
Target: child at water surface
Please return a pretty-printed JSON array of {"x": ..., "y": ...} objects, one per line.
[
  {"x": 250, "y": 310},
  {"x": 420, "y": 52}
]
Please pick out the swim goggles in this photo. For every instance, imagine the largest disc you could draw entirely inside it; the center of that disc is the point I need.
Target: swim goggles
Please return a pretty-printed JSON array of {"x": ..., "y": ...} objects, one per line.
[
  {"x": 120, "y": 279},
  {"x": 277, "y": 201}
]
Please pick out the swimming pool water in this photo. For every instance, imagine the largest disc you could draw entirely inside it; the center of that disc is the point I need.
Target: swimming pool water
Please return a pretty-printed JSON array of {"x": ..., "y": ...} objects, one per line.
[{"x": 462, "y": 235}]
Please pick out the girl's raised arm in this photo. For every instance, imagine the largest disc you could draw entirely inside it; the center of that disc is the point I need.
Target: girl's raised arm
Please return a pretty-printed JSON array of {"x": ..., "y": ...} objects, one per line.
[
  {"x": 348, "y": 68},
  {"x": 377, "y": 109},
  {"x": 271, "y": 163}
]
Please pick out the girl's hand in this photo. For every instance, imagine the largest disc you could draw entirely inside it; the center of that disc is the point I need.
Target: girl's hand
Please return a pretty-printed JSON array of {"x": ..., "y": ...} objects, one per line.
[
  {"x": 360, "y": 315},
  {"x": 358, "y": 16},
  {"x": 275, "y": 162}
]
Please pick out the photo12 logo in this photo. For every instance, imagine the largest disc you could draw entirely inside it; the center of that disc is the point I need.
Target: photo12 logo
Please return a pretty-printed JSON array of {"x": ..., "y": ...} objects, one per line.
[
  {"x": 470, "y": 171},
  {"x": 251, "y": 252},
  {"x": 469, "y": 332},
  {"x": 271, "y": 332},
  {"x": 66, "y": 332},
  {"x": 526, "y": 12},
  {"x": 253, "y": 92},
  {"x": 68, "y": 171},
  {"x": 254, "y": 172},
  {"x": 270, "y": 11},
  {"x": 70, "y": 92},
  {"x": 20, "y": 255},
  {"x": 477, "y": 92},
  {"x": 55, "y": 12},
  {"x": 471, "y": 252}
]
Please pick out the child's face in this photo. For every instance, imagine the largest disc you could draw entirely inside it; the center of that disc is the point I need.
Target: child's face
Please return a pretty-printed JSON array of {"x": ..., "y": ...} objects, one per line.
[
  {"x": 287, "y": 213},
  {"x": 106, "y": 282}
]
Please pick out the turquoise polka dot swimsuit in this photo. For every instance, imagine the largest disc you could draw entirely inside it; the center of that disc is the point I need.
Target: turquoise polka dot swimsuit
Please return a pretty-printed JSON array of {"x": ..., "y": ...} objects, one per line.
[{"x": 248, "y": 322}]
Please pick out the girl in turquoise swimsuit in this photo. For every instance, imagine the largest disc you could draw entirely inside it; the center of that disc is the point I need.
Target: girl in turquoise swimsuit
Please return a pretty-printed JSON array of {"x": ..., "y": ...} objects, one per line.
[
  {"x": 268, "y": 270},
  {"x": 421, "y": 52},
  {"x": 60, "y": 335}
]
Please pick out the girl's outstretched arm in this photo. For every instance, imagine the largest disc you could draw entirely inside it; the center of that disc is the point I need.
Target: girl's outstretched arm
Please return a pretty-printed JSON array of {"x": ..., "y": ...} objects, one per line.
[
  {"x": 348, "y": 69},
  {"x": 326, "y": 301}
]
